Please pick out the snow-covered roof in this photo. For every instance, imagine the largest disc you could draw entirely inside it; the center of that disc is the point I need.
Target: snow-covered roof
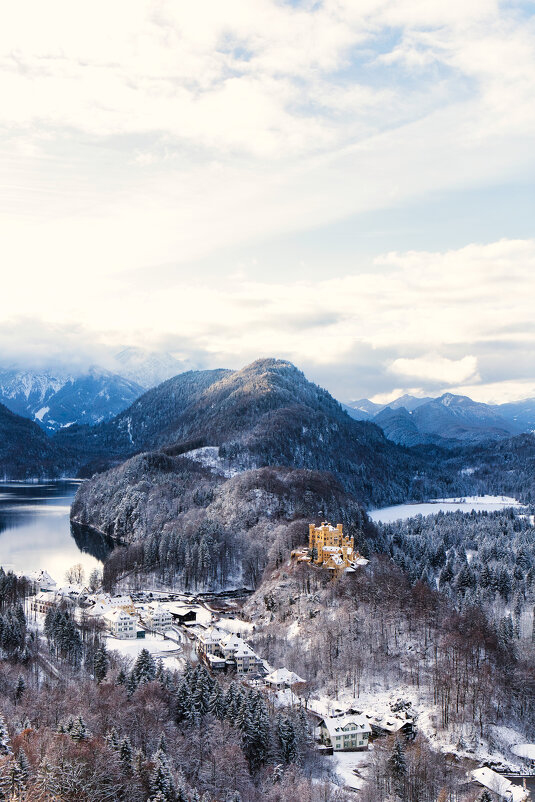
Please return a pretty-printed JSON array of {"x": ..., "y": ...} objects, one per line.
[
  {"x": 500, "y": 785},
  {"x": 389, "y": 722},
  {"x": 42, "y": 577},
  {"x": 211, "y": 635},
  {"x": 118, "y": 615},
  {"x": 231, "y": 641},
  {"x": 244, "y": 650},
  {"x": 283, "y": 676},
  {"x": 337, "y": 726}
]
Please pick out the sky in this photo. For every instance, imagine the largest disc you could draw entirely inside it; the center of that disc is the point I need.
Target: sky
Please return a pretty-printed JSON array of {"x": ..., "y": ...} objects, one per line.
[{"x": 347, "y": 185}]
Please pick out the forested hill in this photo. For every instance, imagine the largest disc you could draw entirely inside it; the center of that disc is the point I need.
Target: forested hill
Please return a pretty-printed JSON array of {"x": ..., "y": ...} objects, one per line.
[
  {"x": 26, "y": 451},
  {"x": 264, "y": 415},
  {"x": 140, "y": 426}
]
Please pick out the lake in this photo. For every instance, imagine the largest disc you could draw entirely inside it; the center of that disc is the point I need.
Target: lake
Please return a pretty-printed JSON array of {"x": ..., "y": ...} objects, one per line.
[
  {"x": 35, "y": 530},
  {"x": 401, "y": 512}
]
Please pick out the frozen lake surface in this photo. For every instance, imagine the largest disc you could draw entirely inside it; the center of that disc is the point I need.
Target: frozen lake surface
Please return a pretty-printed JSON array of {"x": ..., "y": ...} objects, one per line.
[{"x": 401, "y": 512}]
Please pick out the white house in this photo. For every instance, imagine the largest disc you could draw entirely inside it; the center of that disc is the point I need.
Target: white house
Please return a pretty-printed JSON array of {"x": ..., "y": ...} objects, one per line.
[
  {"x": 157, "y": 617},
  {"x": 214, "y": 643},
  {"x": 282, "y": 678},
  {"x": 120, "y": 623},
  {"x": 42, "y": 602},
  {"x": 345, "y": 733},
  {"x": 42, "y": 579}
]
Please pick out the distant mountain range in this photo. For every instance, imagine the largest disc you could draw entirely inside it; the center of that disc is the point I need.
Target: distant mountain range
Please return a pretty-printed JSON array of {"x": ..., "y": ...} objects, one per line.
[
  {"x": 55, "y": 400},
  {"x": 447, "y": 420},
  {"x": 268, "y": 415}
]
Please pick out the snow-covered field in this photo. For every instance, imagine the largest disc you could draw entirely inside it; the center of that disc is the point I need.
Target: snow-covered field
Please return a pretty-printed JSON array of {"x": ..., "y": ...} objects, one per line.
[
  {"x": 401, "y": 512},
  {"x": 168, "y": 650},
  {"x": 345, "y": 764}
]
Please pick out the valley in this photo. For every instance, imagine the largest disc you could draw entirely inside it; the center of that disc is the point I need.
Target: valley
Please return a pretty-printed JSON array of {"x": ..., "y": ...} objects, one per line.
[{"x": 205, "y": 485}]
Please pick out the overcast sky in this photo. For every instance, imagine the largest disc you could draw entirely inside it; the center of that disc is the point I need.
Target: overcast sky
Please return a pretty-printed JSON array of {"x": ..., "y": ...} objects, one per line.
[{"x": 345, "y": 184}]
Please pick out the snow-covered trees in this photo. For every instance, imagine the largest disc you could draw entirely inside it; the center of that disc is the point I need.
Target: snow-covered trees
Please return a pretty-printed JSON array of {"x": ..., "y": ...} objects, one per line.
[{"x": 100, "y": 663}]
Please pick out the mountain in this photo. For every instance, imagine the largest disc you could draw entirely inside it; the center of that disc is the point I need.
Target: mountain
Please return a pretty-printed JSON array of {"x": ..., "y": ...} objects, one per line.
[
  {"x": 408, "y": 402},
  {"x": 447, "y": 420},
  {"x": 95, "y": 397},
  {"x": 27, "y": 392},
  {"x": 400, "y": 427},
  {"x": 521, "y": 413},
  {"x": 147, "y": 368},
  {"x": 457, "y": 417},
  {"x": 267, "y": 414},
  {"x": 362, "y": 409},
  {"x": 26, "y": 451},
  {"x": 54, "y": 401}
]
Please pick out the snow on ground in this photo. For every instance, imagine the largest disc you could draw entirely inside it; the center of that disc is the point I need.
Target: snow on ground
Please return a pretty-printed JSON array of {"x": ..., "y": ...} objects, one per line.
[
  {"x": 401, "y": 512},
  {"x": 168, "y": 650},
  {"x": 209, "y": 457},
  {"x": 345, "y": 764},
  {"x": 465, "y": 742},
  {"x": 293, "y": 630},
  {"x": 526, "y": 751},
  {"x": 235, "y": 625}
]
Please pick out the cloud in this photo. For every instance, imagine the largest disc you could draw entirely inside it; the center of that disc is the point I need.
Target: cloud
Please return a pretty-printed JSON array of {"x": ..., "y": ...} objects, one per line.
[
  {"x": 436, "y": 368},
  {"x": 139, "y": 134},
  {"x": 427, "y": 317}
]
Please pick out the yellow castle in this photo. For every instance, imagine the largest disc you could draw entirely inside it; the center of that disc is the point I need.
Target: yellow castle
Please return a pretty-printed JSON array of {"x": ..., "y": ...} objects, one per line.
[{"x": 328, "y": 547}]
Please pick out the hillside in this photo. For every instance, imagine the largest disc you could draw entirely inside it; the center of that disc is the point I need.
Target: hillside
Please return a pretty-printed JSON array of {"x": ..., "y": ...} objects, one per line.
[
  {"x": 266, "y": 414},
  {"x": 26, "y": 451},
  {"x": 199, "y": 529}
]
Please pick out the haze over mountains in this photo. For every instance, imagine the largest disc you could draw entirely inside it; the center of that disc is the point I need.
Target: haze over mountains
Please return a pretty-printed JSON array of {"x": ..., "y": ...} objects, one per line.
[
  {"x": 56, "y": 399},
  {"x": 446, "y": 420}
]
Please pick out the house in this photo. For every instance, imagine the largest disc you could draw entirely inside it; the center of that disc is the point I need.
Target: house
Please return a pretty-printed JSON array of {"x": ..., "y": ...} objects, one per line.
[
  {"x": 120, "y": 623},
  {"x": 208, "y": 641},
  {"x": 42, "y": 579},
  {"x": 345, "y": 733},
  {"x": 282, "y": 678},
  {"x": 390, "y": 724},
  {"x": 105, "y": 602},
  {"x": 221, "y": 649},
  {"x": 500, "y": 785},
  {"x": 184, "y": 614},
  {"x": 43, "y": 601},
  {"x": 157, "y": 617}
]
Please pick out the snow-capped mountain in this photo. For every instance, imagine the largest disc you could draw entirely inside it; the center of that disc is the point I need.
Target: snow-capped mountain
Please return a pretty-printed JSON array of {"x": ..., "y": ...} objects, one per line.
[
  {"x": 27, "y": 392},
  {"x": 55, "y": 401},
  {"x": 148, "y": 368},
  {"x": 448, "y": 419}
]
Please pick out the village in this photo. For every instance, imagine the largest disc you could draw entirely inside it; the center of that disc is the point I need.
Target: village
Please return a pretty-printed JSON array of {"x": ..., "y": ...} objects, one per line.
[{"x": 181, "y": 629}]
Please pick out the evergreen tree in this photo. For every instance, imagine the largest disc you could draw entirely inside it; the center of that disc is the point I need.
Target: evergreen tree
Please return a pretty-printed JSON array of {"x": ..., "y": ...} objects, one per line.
[
  {"x": 100, "y": 663},
  {"x": 112, "y": 739},
  {"x": 20, "y": 687},
  {"x": 161, "y": 778},
  {"x": 397, "y": 766},
  {"x": 126, "y": 753},
  {"x": 144, "y": 669}
]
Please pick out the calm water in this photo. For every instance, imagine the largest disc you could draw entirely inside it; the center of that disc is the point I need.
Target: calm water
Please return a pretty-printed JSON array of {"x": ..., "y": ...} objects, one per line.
[{"x": 35, "y": 530}]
